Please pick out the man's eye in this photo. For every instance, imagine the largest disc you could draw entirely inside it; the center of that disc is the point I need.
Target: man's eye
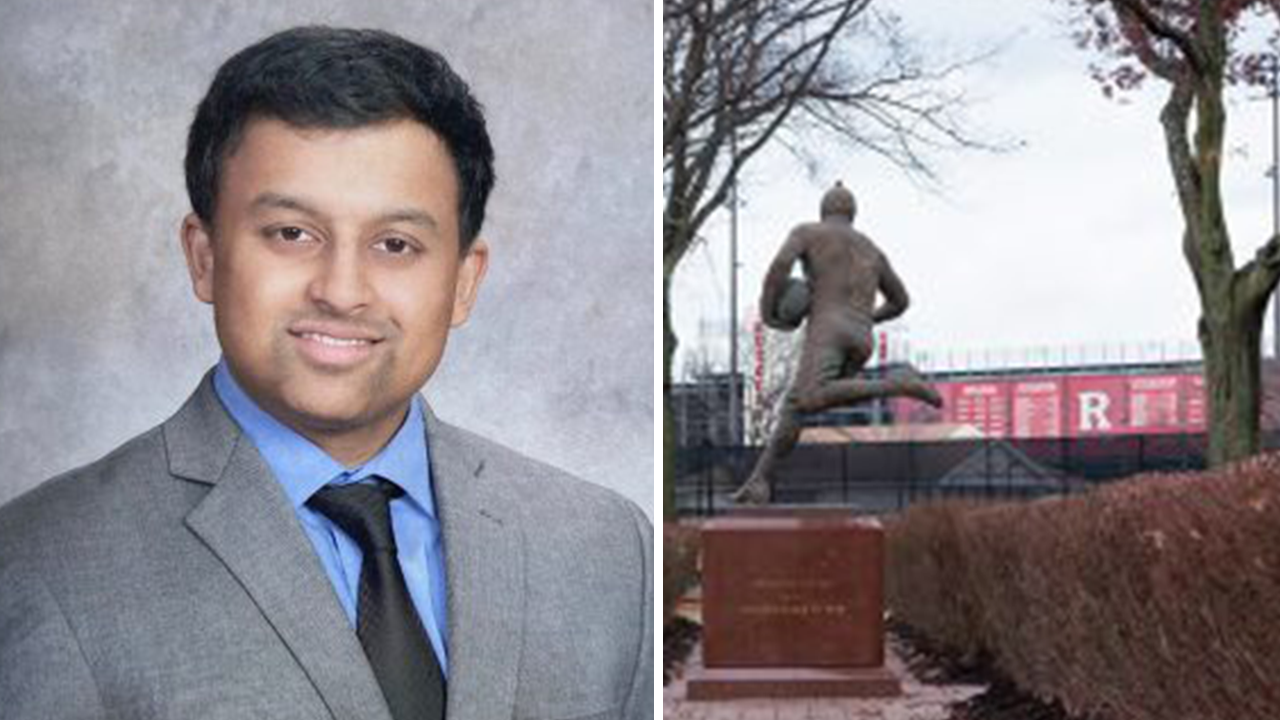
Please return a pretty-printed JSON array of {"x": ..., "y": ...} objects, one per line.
[
  {"x": 292, "y": 234},
  {"x": 395, "y": 246}
]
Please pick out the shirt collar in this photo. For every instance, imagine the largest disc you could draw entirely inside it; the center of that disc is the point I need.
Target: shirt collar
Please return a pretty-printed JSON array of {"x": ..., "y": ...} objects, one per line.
[{"x": 302, "y": 468}]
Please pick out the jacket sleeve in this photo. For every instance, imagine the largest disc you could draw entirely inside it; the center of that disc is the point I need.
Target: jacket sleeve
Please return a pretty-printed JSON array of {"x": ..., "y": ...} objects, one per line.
[
  {"x": 639, "y": 703},
  {"x": 43, "y": 671}
]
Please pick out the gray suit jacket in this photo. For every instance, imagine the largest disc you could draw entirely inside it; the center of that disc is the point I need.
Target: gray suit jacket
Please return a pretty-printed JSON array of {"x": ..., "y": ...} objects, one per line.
[{"x": 171, "y": 579}]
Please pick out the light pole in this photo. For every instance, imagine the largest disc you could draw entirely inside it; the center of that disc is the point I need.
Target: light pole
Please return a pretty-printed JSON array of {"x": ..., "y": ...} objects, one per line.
[
  {"x": 1273, "y": 80},
  {"x": 1271, "y": 66},
  {"x": 735, "y": 408}
]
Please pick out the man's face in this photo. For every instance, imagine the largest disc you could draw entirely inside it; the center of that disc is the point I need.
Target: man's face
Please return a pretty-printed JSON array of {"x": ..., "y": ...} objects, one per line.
[{"x": 334, "y": 270}]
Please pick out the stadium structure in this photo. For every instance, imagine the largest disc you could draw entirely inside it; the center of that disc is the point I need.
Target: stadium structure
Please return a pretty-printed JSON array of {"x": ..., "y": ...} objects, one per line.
[{"x": 1020, "y": 423}]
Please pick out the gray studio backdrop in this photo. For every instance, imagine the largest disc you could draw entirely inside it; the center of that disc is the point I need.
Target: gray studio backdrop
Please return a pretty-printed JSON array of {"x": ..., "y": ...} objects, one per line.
[{"x": 100, "y": 336}]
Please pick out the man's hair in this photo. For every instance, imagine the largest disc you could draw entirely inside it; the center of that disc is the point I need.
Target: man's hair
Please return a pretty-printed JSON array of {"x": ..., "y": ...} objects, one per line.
[{"x": 322, "y": 77}]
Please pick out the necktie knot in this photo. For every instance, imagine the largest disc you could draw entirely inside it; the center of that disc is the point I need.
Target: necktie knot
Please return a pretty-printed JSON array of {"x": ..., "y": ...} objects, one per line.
[{"x": 362, "y": 511}]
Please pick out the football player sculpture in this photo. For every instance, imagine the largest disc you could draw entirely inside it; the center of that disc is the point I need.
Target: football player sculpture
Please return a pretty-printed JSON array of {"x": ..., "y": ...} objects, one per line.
[{"x": 843, "y": 274}]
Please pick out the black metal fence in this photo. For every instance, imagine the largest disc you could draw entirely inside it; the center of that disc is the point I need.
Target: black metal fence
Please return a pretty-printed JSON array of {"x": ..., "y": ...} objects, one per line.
[{"x": 885, "y": 477}]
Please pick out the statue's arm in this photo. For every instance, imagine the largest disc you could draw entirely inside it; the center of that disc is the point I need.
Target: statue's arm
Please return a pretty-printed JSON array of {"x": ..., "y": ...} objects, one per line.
[
  {"x": 775, "y": 280},
  {"x": 895, "y": 294}
]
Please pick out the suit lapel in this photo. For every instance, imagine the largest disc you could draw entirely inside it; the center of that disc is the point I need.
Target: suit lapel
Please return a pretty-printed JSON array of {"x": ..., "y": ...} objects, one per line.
[
  {"x": 249, "y": 524},
  {"x": 485, "y": 570}
]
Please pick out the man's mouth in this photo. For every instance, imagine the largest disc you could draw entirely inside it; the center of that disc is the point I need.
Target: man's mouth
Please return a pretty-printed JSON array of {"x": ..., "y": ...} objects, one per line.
[
  {"x": 333, "y": 346},
  {"x": 334, "y": 341}
]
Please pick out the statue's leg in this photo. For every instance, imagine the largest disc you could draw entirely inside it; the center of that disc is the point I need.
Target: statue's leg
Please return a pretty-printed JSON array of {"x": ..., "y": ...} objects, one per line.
[
  {"x": 818, "y": 363},
  {"x": 901, "y": 381},
  {"x": 758, "y": 489}
]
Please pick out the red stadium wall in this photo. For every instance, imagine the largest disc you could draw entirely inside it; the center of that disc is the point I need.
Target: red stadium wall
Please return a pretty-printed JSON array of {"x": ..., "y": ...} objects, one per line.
[{"x": 1051, "y": 406}]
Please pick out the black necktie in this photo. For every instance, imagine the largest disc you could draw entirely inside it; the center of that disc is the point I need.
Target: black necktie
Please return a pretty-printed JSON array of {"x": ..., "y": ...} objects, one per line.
[{"x": 389, "y": 629}]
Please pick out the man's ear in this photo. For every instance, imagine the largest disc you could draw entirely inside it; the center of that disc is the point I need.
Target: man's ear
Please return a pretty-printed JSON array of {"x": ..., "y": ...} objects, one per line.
[
  {"x": 471, "y": 271},
  {"x": 197, "y": 245}
]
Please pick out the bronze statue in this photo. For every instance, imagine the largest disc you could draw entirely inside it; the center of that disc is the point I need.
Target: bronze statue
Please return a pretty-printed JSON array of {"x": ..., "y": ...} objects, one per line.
[{"x": 843, "y": 273}]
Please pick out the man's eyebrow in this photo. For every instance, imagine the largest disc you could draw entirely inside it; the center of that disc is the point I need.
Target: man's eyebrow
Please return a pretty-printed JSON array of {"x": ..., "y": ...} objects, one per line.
[
  {"x": 413, "y": 216},
  {"x": 271, "y": 200}
]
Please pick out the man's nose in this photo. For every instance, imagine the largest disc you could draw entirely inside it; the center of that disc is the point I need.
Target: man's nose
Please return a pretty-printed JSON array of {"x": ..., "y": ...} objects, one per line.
[{"x": 341, "y": 284}]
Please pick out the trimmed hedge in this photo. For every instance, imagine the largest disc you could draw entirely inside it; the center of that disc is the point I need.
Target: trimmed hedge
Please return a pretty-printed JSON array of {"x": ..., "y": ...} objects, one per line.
[
  {"x": 1153, "y": 599},
  {"x": 680, "y": 547}
]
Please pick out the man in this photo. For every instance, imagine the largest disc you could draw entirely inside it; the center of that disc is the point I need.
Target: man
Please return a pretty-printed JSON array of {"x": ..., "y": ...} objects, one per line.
[
  {"x": 304, "y": 538},
  {"x": 844, "y": 272}
]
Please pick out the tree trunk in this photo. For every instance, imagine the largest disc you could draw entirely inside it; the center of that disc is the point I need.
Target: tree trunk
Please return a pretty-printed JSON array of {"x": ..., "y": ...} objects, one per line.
[
  {"x": 669, "y": 344},
  {"x": 1231, "y": 301},
  {"x": 1232, "y": 350}
]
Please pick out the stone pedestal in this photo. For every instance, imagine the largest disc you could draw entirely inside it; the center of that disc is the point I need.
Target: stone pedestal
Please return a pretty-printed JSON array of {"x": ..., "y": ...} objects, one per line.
[{"x": 793, "y": 606}]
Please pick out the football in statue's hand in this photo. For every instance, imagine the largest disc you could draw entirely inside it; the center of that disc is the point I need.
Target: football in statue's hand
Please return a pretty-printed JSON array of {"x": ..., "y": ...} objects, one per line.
[{"x": 793, "y": 304}]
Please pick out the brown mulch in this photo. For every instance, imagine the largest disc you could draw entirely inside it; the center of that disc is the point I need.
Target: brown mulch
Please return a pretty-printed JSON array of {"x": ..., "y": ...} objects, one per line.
[
  {"x": 934, "y": 664},
  {"x": 1005, "y": 701},
  {"x": 1002, "y": 700},
  {"x": 678, "y": 638}
]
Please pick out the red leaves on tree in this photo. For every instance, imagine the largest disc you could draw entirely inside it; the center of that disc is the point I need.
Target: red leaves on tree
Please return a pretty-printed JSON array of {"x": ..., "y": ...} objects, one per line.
[{"x": 1139, "y": 38}]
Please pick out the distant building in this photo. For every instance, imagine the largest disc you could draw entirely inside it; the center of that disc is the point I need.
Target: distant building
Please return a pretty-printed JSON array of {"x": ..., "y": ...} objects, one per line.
[{"x": 701, "y": 409}]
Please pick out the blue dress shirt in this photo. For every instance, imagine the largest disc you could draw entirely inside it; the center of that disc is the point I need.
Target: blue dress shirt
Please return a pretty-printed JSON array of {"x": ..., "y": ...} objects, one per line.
[{"x": 302, "y": 468}]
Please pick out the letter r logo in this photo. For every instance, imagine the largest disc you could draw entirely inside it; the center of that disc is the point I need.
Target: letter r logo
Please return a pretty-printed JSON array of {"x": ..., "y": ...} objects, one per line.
[{"x": 1093, "y": 411}]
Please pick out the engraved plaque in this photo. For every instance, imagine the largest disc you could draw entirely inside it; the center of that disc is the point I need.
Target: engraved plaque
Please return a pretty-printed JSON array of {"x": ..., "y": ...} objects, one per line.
[{"x": 793, "y": 591}]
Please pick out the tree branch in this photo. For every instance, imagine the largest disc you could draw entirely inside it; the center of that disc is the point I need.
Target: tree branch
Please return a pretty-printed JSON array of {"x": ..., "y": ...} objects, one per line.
[
  {"x": 1162, "y": 28},
  {"x": 742, "y": 73},
  {"x": 1255, "y": 282},
  {"x": 1186, "y": 177}
]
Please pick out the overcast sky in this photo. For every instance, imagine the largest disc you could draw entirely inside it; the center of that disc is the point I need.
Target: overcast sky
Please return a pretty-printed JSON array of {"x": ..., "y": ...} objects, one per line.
[{"x": 1071, "y": 240}]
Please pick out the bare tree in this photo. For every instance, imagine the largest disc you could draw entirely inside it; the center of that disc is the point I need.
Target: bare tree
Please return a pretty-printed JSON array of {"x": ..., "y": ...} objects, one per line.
[
  {"x": 739, "y": 74},
  {"x": 776, "y": 359},
  {"x": 1195, "y": 48}
]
